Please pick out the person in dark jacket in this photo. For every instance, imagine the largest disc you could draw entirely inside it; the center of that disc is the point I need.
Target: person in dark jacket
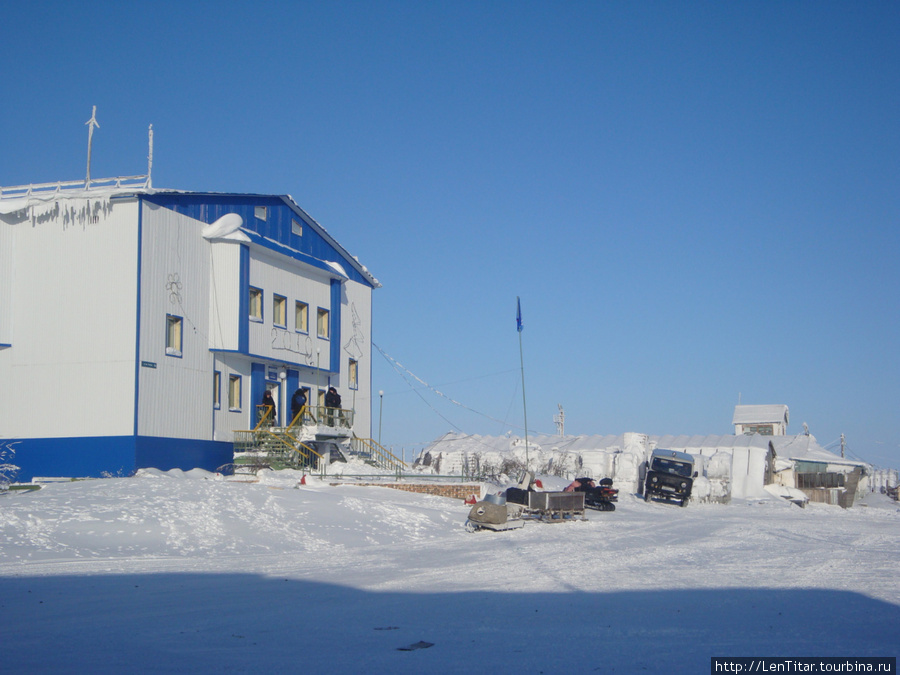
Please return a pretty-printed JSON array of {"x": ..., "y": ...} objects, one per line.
[
  {"x": 298, "y": 401},
  {"x": 332, "y": 403},
  {"x": 268, "y": 400}
]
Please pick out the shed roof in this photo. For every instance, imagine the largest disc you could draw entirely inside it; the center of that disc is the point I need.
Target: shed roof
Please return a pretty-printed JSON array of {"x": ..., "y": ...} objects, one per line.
[{"x": 760, "y": 414}]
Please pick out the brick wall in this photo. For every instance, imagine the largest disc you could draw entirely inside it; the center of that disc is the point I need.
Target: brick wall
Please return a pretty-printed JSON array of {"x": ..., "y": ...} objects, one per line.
[{"x": 453, "y": 490}]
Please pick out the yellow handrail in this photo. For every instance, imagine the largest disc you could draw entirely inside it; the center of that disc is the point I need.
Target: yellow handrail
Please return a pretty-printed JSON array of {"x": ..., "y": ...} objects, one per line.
[
  {"x": 386, "y": 457},
  {"x": 280, "y": 438},
  {"x": 263, "y": 416},
  {"x": 298, "y": 418}
]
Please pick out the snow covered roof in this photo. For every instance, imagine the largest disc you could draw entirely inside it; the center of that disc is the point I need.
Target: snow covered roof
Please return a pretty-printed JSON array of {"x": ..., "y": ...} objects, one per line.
[
  {"x": 20, "y": 198},
  {"x": 805, "y": 448},
  {"x": 754, "y": 414},
  {"x": 802, "y": 447}
]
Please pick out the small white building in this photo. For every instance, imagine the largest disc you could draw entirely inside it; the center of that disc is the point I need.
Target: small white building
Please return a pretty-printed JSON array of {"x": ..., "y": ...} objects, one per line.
[
  {"x": 140, "y": 327},
  {"x": 765, "y": 420}
]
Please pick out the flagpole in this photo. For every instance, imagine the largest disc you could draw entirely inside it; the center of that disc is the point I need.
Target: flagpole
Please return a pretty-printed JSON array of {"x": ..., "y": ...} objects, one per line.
[{"x": 519, "y": 327}]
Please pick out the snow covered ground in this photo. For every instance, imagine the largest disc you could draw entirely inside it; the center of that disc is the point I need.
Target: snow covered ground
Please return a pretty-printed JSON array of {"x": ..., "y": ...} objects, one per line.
[{"x": 191, "y": 573}]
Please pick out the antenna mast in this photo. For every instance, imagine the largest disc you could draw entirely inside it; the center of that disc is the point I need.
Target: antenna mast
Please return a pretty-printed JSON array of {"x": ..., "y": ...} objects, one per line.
[
  {"x": 150, "y": 163},
  {"x": 91, "y": 123},
  {"x": 560, "y": 421}
]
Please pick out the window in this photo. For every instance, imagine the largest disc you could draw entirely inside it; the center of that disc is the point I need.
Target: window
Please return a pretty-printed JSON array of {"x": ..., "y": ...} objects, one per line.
[
  {"x": 234, "y": 392},
  {"x": 261, "y": 212},
  {"x": 353, "y": 374},
  {"x": 256, "y": 313},
  {"x": 173, "y": 335},
  {"x": 297, "y": 228},
  {"x": 301, "y": 317},
  {"x": 279, "y": 310},
  {"x": 321, "y": 399},
  {"x": 322, "y": 324},
  {"x": 217, "y": 389}
]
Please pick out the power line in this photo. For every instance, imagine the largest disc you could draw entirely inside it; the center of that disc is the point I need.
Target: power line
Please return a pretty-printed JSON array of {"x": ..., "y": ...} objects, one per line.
[{"x": 396, "y": 365}]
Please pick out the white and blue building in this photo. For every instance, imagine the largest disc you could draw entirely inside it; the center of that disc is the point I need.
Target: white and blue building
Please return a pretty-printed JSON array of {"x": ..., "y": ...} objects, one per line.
[{"x": 140, "y": 327}]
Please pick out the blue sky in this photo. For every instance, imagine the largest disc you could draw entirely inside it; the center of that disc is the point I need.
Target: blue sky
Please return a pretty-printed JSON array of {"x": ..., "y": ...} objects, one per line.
[{"x": 697, "y": 202}]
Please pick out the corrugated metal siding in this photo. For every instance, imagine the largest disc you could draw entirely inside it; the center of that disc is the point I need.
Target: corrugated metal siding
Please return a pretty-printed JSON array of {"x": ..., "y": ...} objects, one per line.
[
  {"x": 226, "y": 421},
  {"x": 175, "y": 396},
  {"x": 356, "y": 329},
  {"x": 224, "y": 287},
  {"x": 276, "y": 275},
  {"x": 70, "y": 371},
  {"x": 277, "y": 227},
  {"x": 7, "y": 260}
]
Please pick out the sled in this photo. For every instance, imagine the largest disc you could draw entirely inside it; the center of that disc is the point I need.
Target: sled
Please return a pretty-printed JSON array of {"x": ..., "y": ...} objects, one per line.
[{"x": 513, "y": 509}]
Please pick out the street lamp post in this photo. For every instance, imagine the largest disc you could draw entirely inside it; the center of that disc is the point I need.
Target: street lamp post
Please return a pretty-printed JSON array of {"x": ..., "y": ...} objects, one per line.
[
  {"x": 380, "y": 410},
  {"x": 318, "y": 353}
]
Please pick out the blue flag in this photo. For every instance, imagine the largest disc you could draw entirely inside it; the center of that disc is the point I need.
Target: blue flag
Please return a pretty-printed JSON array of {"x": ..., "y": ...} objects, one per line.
[{"x": 519, "y": 325}]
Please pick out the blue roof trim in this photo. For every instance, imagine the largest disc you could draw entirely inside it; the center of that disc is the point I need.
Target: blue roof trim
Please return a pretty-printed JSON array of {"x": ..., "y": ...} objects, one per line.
[
  {"x": 273, "y": 361},
  {"x": 288, "y": 251},
  {"x": 315, "y": 246},
  {"x": 244, "y": 301}
]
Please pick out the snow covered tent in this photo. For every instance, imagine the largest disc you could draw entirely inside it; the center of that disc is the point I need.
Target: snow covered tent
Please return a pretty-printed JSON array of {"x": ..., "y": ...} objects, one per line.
[
  {"x": 729, "y": 466},
  {"x": 139, "y": 327}
]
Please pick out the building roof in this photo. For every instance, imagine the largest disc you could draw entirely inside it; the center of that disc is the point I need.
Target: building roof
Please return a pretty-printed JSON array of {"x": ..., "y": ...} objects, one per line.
[
  {"x": 20, "y": 198},
  {"x": 760, "y": 414},
  {"x": 803, "y": 447}
]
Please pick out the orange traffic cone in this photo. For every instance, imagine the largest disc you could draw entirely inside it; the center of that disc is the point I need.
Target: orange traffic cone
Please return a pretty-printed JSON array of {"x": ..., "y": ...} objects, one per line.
[
  {"x": 303, "y": 480},
  {"x": 470, "y": 500}
]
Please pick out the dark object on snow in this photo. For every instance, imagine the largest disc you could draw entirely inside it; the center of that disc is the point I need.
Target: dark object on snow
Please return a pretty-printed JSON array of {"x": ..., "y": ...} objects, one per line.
[
  {"x": 598, "y": 497},
  {"x": 510, "y": 510},
  {"x": 490, "y": 516},
  {"x": 516, "y": 495},
  {"x": 421, "y": 644},
  {"x": 670, "y": 476}
]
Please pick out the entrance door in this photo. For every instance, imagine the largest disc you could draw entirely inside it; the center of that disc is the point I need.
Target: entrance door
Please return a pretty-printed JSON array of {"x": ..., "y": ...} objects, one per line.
[{"x": 275, "y": 390}]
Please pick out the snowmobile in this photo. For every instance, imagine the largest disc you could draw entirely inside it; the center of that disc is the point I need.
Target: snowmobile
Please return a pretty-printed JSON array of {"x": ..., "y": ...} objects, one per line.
[
  {"x": 600, "y": 496},
  {"x": 511, "y": 509}
]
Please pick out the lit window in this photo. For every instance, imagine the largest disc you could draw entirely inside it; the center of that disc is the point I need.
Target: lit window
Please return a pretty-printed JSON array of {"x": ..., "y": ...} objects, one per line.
[
  {"x": 279, "y": 310},
  {"x": 217, "y": 389},
  {"x": 234, "y": 392},
  {"x": 261, "y": 212},
  {"x": 297, "y": 228},
  {"x": 322, "y": 324},
  {"x": 256, "y": 304},
  {"x": 301, "y": 317},
  {"x": 353, "y": 374},
  {"x": 173, "y": 335}
]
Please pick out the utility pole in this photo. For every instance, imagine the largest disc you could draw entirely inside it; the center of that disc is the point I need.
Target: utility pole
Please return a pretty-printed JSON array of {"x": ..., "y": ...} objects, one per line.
[
  {"x": 843, "y": 444},
  {"x": 519, "y": 327}
]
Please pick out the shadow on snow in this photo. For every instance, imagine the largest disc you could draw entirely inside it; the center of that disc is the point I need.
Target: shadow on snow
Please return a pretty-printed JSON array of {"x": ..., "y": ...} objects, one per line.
[{"x": 188, "y": 622}]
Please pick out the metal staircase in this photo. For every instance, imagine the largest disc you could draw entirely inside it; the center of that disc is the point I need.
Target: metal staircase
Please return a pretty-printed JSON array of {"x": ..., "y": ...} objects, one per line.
[
  {"x": 376, "y": 454},
  {"x": 268, "y": 446}
]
